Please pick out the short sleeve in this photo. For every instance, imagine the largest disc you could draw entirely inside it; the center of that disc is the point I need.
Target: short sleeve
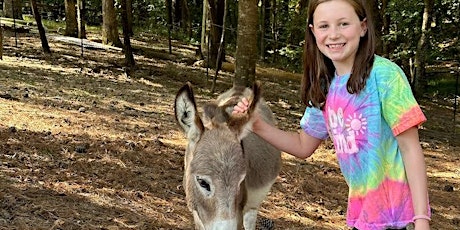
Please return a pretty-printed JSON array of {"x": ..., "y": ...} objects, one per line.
[
  {"x": 313, "y": 123},
  {"x": 400, "y": 109}
]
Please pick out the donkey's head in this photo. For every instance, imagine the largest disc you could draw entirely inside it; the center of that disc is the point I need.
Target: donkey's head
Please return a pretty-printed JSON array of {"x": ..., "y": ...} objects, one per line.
[{"x": 215, "y": 165}]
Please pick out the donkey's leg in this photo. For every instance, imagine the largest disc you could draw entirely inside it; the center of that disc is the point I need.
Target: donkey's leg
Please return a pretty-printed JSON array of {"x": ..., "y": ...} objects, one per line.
[{"x": 255, "y": 198}]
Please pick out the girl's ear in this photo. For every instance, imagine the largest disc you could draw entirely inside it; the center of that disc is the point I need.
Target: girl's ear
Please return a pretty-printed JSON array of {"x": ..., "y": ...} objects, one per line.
[
  {"x": 310, "y": 26},
  {"x": 363, "y": 27}
]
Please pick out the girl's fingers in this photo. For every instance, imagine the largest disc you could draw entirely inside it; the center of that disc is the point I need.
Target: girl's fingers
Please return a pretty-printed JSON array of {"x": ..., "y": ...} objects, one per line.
[
  {"x": 241, "y": 107},
  {"x": 245, "y": 101}
]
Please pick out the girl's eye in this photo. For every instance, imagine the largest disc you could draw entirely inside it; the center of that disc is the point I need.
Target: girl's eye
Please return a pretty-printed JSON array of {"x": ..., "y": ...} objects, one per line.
[
  {"x": 343, "y": 24},
  {"x": 323, "y": 26}
]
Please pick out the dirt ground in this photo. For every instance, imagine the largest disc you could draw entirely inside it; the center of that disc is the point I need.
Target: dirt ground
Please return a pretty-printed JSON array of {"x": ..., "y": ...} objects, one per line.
[{"x": 84, "y": 146}]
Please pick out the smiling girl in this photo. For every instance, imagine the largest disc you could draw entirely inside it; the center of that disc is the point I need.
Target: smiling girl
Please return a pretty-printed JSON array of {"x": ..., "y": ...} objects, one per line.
[{"x": 364, "y": 103}]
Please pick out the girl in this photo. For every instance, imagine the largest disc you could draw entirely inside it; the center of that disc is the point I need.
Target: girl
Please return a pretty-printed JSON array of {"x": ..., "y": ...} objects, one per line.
[{"x": 364, "y": 103}]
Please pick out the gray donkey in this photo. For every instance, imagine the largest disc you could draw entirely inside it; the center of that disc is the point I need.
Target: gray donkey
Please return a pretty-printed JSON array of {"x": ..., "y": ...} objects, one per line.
[{"x": 228, "y": 169}]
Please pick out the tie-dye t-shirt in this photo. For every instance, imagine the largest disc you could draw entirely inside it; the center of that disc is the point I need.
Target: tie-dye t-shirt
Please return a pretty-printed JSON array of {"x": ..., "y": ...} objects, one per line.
[{"x": 363, "y": 128}]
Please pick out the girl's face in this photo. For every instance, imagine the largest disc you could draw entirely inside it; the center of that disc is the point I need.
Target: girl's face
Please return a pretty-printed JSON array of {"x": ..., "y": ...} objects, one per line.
[{"x": 338, "y": 30}]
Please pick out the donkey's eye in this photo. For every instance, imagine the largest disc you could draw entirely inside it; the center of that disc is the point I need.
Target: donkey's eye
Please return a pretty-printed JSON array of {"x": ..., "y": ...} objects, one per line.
[{"x": 204, "y": 184}]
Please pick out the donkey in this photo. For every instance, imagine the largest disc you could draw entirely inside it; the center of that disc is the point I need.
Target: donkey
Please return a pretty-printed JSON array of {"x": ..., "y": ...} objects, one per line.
[{"x": 228, "y": 169}]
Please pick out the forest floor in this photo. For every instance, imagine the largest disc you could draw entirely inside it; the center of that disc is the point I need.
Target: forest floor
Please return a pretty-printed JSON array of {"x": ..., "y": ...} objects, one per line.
[{"x": 84, "y": 146}]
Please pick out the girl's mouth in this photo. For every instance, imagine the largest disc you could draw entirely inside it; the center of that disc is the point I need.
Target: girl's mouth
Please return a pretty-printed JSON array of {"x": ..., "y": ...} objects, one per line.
[{"x": 336, "y": 46}]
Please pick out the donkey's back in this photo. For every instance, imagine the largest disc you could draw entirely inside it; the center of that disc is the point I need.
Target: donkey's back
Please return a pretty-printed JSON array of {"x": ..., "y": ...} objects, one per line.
[{"x": 228, "y": 169}]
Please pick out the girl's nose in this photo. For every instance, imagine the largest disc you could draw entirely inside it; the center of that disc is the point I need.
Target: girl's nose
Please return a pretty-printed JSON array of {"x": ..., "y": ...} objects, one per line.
[{"x": 334, "y": 32}]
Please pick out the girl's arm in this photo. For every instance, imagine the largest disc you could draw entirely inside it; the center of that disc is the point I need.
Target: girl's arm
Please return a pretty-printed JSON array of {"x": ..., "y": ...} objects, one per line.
[
  {"x": 299, "y": 144},
  {"x": 414, "y": 163}
]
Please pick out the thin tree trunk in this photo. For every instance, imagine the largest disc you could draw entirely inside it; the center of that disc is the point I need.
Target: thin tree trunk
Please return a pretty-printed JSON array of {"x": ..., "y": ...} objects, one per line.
[
  {"x": 420, "y": 81},
  {"x": 263, "y": 10},
  {"x": 204, "y": 27},
  {"x": 1, "y": 42},
  {"x": 81, "y": 18},
  {"x": 129, "y": 10},
  {"x": 13, "y": 9},
  {"x": 216, "y": 9},
  {"x": 186, "y": 21},
  {"x": 246, "y": 48},
  {"x": 274, "y": 28},
  {"x": 129, "y": 58},
  {"x": 41, "y": 29},
  {"x": 221, "y": 47}
]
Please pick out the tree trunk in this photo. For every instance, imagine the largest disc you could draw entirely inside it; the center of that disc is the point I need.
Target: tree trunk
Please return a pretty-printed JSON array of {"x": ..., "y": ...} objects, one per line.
[
  {"x": 420, "y": 81},
  {"x": 129, "y": 58},
  {"x": 109, "y": 24},
  {"x": 264, "y": 25},
  {"x": 13, "y": 8},
  {"x": 81, "y": 18},
  {"x": 204, "y": 29},
  {"x": 246, "y": 47},
  {"x": 129, "y": 10},
  {"x": 182, "y": 16},
  {"x": 187, "y": 20},
  {"x": 274, "y": 28},
  {"x": 41, "y": 29},
  {"x": 216, "y": 9},
  {"x": 71, "y": 24},
  {"x": 1, "y": 43},
  {"x": 221, "y": 49}
]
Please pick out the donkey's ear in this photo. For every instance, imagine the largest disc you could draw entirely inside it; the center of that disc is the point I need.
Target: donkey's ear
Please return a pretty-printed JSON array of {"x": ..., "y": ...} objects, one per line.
[
  {"x": 241, "y": 124},
  {"x": 214, "y": 115},
  {"x": 186, "y": 113}
]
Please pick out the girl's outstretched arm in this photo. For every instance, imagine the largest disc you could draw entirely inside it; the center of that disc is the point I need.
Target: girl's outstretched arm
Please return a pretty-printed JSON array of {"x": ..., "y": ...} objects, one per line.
[
  {"x": 298, "y": 144},
  {"x": 414, "y": 163}
]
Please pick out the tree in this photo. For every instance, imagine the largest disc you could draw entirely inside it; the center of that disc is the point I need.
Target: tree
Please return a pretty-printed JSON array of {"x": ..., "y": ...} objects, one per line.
[
  {"x": 274, "y": 29},
  {"x": 13, "y": 8},
  {"x": 41, "y": 29},
  {"x": 221, "y": 49},
  {"x": 109, "y": 24},
  {"x": 246, "y": 46},
  {"x": 420, "y": 81},
  {"x": 216, "y": 10},
  {"x": 71, "y": 25},
  {"x": 129, "y": 58},
  {"x": 81, "y": 8},
  {"x": 129, "y": 11},
  {"x": 1, "y": 43},
  {"x": 264, "y": 25},
  {"x": 204, "y": 27},
  {"x": 182, "y": 16}
]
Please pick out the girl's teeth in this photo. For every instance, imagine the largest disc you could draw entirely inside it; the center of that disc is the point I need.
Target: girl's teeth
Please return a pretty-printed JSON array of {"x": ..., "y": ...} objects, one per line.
[{"x": 336, "y": 46}]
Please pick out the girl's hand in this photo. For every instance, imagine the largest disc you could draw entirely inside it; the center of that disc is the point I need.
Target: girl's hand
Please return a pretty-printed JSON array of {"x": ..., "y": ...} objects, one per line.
[{"x": 241, "y": 107}]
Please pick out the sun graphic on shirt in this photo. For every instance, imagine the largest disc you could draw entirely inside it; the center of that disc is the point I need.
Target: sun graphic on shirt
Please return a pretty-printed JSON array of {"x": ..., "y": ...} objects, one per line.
[{"x": 356, "y": 123}]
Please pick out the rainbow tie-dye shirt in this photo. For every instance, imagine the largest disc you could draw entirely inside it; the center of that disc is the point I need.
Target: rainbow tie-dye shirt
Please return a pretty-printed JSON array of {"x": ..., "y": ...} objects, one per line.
[{"x": 363, "y": 128}]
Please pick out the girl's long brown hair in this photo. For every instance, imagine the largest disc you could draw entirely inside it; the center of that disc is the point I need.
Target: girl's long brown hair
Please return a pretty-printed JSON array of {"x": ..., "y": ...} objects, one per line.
[{"x": 319, "y": 69}]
